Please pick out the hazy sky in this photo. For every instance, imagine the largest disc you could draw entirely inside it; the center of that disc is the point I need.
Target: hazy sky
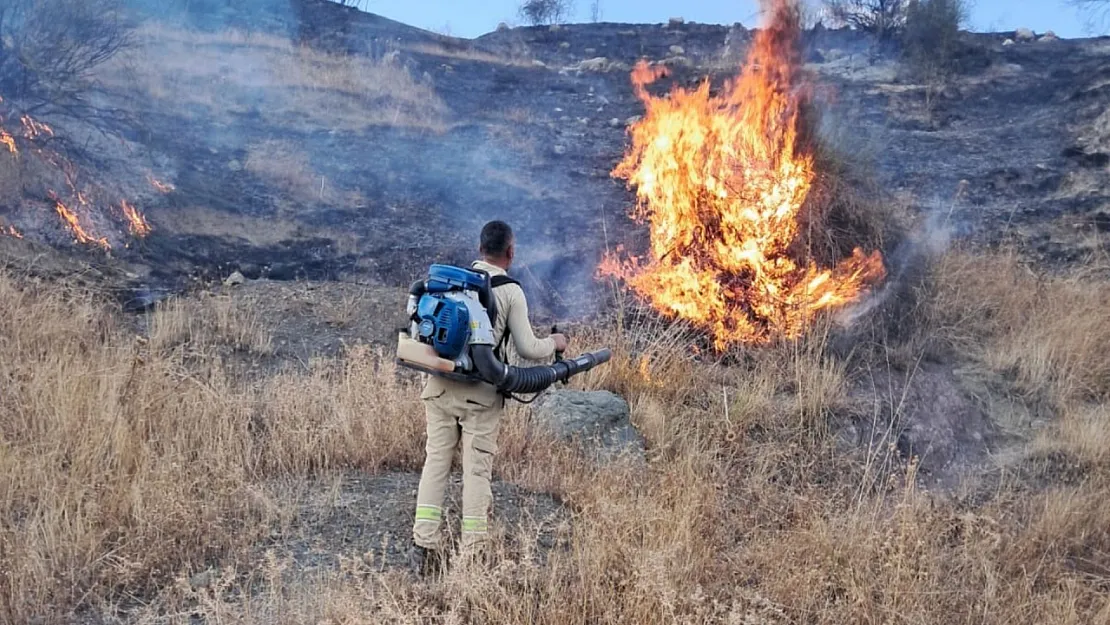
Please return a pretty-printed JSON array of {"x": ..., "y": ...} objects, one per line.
[{"x": 470, "y": 18}]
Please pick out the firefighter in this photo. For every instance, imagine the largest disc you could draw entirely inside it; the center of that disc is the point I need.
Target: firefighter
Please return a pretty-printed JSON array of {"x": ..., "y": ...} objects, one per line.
[{"x": 470, "y": 413}]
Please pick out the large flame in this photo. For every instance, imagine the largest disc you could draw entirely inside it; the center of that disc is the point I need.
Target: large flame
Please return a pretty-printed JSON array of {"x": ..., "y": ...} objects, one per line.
[
  {"x": 722, "y": 180},
  {"x": 136, "y": 223}
]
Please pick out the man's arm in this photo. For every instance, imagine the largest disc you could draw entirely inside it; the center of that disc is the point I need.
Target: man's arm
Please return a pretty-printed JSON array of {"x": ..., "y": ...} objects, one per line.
[{"x": 520, "y": 328}]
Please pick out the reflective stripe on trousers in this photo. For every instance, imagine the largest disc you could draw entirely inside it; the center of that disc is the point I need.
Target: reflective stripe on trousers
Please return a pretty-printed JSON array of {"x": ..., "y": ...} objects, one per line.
[{"x": 453, "y": 418}]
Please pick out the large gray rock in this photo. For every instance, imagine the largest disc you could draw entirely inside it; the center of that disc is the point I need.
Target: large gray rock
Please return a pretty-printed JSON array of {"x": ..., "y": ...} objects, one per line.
[{"x": 599, "y": 421}]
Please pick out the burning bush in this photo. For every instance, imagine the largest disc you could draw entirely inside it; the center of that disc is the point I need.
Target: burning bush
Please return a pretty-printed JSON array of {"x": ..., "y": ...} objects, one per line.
[
  {"x": 725, "y": 183},
  {"x": 49, "y": 48}
]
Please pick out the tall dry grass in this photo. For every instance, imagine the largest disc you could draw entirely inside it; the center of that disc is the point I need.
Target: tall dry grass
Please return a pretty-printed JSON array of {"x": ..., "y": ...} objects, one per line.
[
  {"x": 135, "y": 462},
  {"x": 127, "y": 459}
]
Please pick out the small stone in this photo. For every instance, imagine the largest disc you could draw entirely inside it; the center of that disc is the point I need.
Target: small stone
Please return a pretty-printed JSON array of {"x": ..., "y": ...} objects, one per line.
[
  {"x": 560, "y": 149},
  {"x": 1024, "y": 35},
  {"x": 565, "y": 45},
  {"x": 615, "y": 122},
  {"x": 202, "y": 579},
  {"x": 590, "y": 50},
  {"x": 1049, "y": 36},
  {"x": 235, "y": 166},
  {"x": 235, "y": 279},
  {"x": 635, "y": 119},
  {"x": 502, "y": 27},
  {"x": 555, "y": 28},
  {"x": 678, "y": 50},
  {"x": 538, "y": 63},
  {"x": 1008, "y": 42},
  {"x": 676, "y": 21}
]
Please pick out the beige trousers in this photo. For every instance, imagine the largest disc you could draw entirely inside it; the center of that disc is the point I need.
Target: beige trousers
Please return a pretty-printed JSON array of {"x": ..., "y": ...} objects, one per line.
[{"x": 473, "y": 418}]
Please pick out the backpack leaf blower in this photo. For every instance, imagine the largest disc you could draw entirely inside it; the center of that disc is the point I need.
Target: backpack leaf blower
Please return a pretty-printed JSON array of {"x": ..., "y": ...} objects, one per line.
[{"x": 451, "y": 335}]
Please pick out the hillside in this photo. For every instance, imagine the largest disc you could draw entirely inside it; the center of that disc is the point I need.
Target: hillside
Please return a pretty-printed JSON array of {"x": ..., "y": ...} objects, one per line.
[{"x": 197, "y": 449}]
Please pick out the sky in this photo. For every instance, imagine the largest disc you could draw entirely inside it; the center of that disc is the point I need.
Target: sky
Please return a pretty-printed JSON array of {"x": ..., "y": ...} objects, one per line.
[{"x": 471, "y": 18}]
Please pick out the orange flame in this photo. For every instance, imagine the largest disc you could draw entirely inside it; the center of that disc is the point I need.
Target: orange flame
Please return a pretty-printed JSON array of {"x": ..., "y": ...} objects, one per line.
[
  {"x": 8, "y": 140},
  {"x": 12, "y": 232},
  {"x": 161, "y": 187},
  {"x": 136, "y": 223},
  {"x": 721, "y": 181},
  {"x": 79, "y": 232}
]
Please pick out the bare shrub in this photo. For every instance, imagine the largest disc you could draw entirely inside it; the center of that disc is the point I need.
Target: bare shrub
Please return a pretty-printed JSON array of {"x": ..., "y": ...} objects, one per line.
[
  {"x": 1097, "y": 11},
  {"x": 884, "y": 18},
  {"x": 931, "y": 42},
  {"x": 51, "y": 47},
  {"x": 538, "y": 12}
]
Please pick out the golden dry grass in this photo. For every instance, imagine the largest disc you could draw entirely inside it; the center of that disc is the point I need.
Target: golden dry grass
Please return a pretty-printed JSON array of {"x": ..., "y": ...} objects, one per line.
[
  {"x": 132, "y": 463},
  {"x": 231, "y": 73}
]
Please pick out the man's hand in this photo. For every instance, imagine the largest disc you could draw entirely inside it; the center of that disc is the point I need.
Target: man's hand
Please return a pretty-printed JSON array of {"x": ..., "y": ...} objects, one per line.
[{"x": 561, "y": 342}]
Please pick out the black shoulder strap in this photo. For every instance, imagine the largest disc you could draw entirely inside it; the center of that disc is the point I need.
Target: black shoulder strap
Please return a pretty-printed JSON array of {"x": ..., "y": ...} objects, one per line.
[
  {"x": 500, "y": 280},
  {"x": 494, "y": 282}
]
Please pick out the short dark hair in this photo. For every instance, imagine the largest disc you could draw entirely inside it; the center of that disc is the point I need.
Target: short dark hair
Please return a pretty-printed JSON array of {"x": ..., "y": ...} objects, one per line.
[{"x": 497, "y": 236}]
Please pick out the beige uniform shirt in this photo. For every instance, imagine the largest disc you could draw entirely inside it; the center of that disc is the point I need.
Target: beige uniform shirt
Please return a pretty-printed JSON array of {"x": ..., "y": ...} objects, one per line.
[{"x": 512, "y": 312}]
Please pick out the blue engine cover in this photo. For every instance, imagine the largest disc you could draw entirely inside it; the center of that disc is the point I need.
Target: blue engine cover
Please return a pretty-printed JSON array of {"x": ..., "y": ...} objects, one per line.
[
  {"x": 444, "y": 278},
  {"x": 444, "y": 324}
]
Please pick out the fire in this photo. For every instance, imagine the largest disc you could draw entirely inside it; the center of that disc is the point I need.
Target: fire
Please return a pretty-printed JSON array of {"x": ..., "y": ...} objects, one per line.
[
  {"x": 12, "y": 232},
  {"x": 721, "y": 181},
  {"x": 79, "y": 232},
  {"x": 33, "y": 129},
  {"x": 8, "y": 140},
  {"x": 137, "y": 224},
  {"x": 161, "y": 187}
]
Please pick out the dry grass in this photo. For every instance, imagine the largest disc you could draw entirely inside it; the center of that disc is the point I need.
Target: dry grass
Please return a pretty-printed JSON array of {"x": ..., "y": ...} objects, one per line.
[
  {"x": 219, "y": 75},
  {"x": 281, "y": 165},
  {"x": 137, "y": 461}
]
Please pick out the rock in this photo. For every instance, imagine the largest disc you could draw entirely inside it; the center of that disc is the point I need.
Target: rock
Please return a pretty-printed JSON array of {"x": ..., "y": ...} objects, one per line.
[
  {"x": 676, "y": 21},
  {"x": 555, "y": 28},
  {"x": 235, "y": 166},
  {"x": 202, "y": 579},
  {"x": 590, "y": 50},
  {"x": 599, "y": 421},
  {"x": 834, "y": 55},
  {"x": 538, "y": 63},
  {"x": 1024, "y": 35},
  {"x": 678, "y": 50},
  {"x": 635, "y": 119},
  {"x": 615, "y": 122},
  {"x": 1008, "y": 42},
  {"x": 502, "y": 27},
  {"x": 565, "y": 45},
  {"x": 1049, "y": 36},
  {"x": 560, "y": 149},
  {"x": 235, "y": 279},
  {"x": 598, "y": 64}
]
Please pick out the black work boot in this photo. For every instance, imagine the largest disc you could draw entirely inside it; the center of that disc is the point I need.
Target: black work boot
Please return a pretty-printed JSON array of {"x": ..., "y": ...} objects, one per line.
[{"x": 427, "y": 562}]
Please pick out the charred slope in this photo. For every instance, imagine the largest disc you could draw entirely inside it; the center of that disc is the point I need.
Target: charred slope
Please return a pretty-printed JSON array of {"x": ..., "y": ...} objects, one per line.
[{"x": 309, "y": 140}]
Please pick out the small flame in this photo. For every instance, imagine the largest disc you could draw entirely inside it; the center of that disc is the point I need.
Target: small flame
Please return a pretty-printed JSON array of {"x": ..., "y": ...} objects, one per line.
[
  {"x": 12, "y": 232},
  {"x": 722, "y": 181},
  {"x": 136, "y": 223},
  {"x": 33, "y": 129},
  {"x": 162, "y": 187},
  {"x": 79, "y": 232},
  {"x": 9, "y": 141}
]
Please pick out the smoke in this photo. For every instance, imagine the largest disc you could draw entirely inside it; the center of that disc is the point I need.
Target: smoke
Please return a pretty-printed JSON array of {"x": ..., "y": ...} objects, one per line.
[{"x": 908, "y": 263}]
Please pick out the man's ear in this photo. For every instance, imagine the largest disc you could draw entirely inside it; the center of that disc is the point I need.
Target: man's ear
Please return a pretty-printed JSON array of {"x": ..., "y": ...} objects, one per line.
[{"x": 510, "y": 251}]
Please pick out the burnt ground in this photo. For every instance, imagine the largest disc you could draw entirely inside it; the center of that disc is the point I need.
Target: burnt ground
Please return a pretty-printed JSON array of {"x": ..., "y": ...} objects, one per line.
[{"x": 368, "y": 518}]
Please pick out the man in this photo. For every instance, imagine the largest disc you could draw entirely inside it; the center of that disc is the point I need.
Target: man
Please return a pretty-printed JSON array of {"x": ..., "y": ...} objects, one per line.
[{"x": 472, "y": 412}]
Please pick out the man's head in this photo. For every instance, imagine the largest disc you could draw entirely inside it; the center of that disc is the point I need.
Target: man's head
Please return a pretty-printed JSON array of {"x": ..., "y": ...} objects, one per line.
[{"x": 497, "y": 246}]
